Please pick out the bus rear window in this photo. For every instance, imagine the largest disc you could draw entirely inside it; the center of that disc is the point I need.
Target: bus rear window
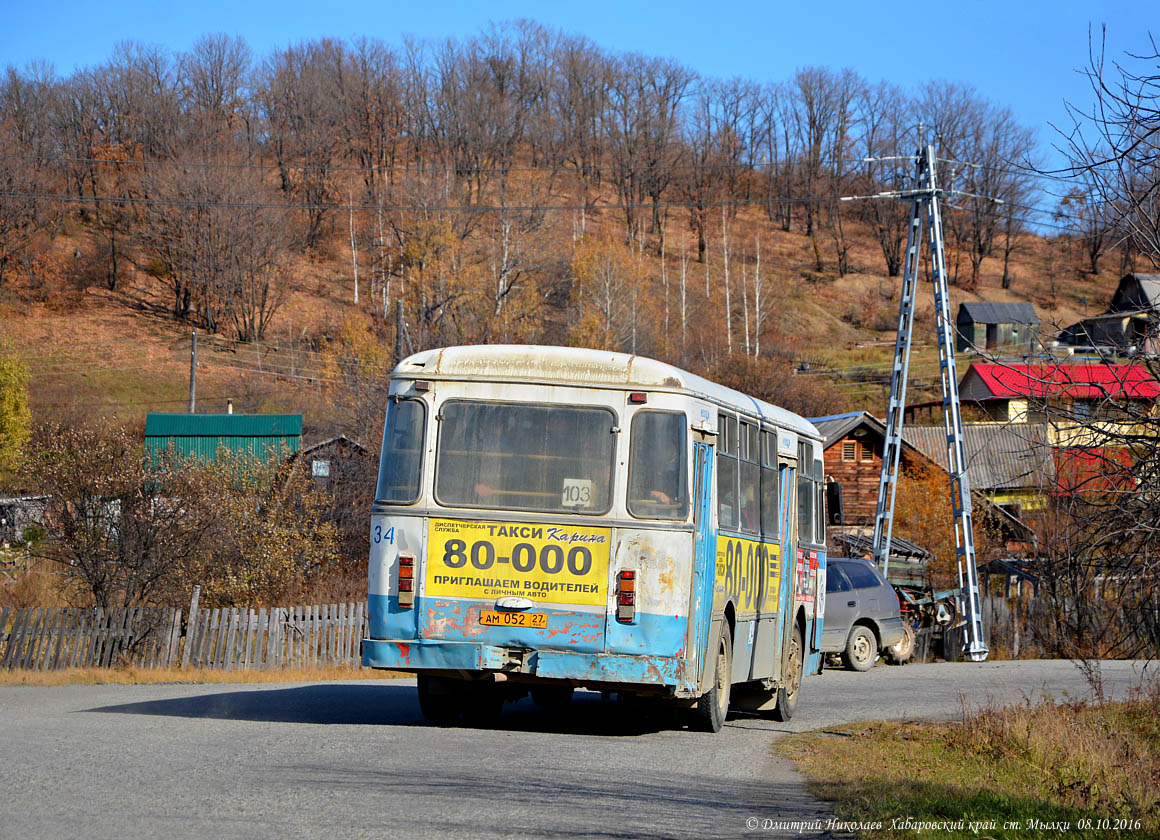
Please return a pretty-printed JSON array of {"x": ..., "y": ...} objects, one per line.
[
  {"x": 512, "y": 456},
  {"x": 401, "y": 463},
  {"x": 657, "y": 466}
]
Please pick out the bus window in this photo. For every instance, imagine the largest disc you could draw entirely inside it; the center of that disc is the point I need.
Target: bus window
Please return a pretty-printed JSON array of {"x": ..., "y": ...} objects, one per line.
[
  {"x": 770, "y": 486},
  {"x": 805, "y": 493},
  {"x": 820, "y": 506},
  {"x": 657, "y": 465},
  {"x": 750, "y": 479},
  {"x": 400, "y": 465},
  {"x": 513, "y": 456},
  {"x": 728, "y": 433}
]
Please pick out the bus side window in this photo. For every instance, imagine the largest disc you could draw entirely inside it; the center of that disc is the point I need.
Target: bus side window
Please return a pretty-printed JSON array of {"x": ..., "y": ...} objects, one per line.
[
  {"x": 806, "y": 493},
  {"x": 727, "y": 513},
  {"x": 657, "y": 466},
  {"x": 770, "y": 486},
  {"x": 749, "y": 473}
]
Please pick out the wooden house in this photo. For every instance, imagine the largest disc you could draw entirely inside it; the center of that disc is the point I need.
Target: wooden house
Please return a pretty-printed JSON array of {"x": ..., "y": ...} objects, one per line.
[{"x": 852, "y": 456}]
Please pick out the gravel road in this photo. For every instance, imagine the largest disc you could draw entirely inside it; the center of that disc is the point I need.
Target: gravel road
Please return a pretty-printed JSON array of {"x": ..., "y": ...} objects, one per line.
[{"x": 355, "y": 759}]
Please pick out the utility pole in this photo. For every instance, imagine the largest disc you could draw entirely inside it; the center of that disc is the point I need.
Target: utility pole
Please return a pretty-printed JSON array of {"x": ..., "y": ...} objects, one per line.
[
  {"x": 925, "y": 200},
  {"x": 400, "y": 331},
  {"x": 193, "y": 373}
]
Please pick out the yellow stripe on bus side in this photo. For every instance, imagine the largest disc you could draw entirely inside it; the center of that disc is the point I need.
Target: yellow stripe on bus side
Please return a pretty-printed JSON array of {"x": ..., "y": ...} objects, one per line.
[{"x": 749, "y": 573}]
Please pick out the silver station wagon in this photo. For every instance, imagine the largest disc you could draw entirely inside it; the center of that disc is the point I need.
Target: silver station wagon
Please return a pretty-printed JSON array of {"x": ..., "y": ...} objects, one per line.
[{"x": 862, "y": 613}]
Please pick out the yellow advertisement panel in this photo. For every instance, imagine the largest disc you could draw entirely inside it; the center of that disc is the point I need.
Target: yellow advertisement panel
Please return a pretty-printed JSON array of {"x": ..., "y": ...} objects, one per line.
[
  {"x": 551, "y": 564},
  {"x": 749, "y": 572}
]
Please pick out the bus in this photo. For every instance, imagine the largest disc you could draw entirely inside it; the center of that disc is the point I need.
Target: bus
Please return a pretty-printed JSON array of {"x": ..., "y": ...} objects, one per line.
[{"x": 553, "y": 518}]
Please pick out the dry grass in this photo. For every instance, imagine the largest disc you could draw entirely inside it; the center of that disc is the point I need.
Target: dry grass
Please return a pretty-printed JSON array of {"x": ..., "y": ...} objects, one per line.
[
  {"x": 140, "y": 676},
  {"x": 1063, "y": 763}
]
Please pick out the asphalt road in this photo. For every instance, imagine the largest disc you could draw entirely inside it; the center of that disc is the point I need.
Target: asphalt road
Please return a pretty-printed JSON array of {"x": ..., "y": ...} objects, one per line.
[{"x": 355, "y": 759}]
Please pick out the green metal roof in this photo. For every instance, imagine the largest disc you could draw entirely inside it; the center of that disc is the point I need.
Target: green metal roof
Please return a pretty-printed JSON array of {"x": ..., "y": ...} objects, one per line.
[{"x": 200, "y": 435}]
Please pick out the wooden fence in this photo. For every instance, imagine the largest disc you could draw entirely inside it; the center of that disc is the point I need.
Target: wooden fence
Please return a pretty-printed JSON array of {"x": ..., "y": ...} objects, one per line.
[{"x": 43, "y": 639}]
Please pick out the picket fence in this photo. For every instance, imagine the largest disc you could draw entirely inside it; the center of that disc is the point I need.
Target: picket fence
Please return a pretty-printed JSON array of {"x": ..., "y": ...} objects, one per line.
[{"x": 44, "y": 639}]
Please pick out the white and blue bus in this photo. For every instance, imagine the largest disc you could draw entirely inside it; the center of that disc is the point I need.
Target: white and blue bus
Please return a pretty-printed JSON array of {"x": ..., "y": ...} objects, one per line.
[{"x": 548, "y": 518}]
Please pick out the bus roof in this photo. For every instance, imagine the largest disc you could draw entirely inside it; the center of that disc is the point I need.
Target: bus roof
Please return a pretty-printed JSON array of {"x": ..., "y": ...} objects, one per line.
[{"x": 583, "y": 367}]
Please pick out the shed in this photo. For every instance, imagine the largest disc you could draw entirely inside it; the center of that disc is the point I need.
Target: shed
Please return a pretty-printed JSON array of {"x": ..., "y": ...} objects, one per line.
[
  {"x": 200, "y": 436},
  {"x": 1131, "y": 322},
  {"x": 1136, "y": 293},
  {"x": 989, "y": 326},
  {"x": 331, "y": 462}
]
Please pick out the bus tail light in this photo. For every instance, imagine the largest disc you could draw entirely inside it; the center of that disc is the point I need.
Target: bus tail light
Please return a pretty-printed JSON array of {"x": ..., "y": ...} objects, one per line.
[
  {"x": 406, "y": 580},
  {"x": 626, "y": 596}
]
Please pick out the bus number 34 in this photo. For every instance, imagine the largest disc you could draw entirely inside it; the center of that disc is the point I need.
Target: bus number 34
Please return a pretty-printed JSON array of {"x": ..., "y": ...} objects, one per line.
[{"x": 551, "y": 558}]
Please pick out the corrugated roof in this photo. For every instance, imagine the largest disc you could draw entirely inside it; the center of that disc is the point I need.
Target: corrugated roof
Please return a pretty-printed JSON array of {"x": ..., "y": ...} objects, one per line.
[
  {"x": 1149, "y": 287},
  {"x": 201, "y": 435},
  {"x": 837, "y": 426},
  {"x": 1095, "y": 381},
  {"x": 991, "y": 312},
  {"x": 232, "y": 425},
  {"x": 1000, "y": 456},
  {"x": 1150, "y": 284}
]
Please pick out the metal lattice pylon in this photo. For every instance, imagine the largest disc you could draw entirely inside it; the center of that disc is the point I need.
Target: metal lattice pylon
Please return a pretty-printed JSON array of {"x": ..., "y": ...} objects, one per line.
[{"x": 925, "y": 204}]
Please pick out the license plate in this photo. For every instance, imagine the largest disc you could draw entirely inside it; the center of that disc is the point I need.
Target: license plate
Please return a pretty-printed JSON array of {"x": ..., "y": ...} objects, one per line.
[{"x": 513, "y": 619}]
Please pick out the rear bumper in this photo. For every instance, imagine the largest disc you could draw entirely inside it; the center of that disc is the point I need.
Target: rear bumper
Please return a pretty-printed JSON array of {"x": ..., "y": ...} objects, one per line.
[
  {"x": 891, "y": 631},
  {"x": 420, "y": 655}
]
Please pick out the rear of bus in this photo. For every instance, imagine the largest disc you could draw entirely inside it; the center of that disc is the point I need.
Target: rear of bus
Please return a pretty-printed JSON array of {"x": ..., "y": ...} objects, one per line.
[{"x": 529, "y": 535}]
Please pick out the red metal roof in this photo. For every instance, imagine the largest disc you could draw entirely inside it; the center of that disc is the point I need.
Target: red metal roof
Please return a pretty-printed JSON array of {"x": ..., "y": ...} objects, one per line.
[{"x": 1078, "y": 382}]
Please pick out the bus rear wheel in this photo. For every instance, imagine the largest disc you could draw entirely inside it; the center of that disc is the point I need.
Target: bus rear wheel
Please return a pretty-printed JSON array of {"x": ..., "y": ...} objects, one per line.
[
  {"x": 787, "y": 695},
  {"x": 552, "y": 698},
  {"x": 713, "y": 707},
  {"x": 437, "y": 700}
]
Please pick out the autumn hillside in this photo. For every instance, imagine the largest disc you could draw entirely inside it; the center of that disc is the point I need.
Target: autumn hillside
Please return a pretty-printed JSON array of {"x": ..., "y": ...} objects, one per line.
[{"x": 519, "y": 186}]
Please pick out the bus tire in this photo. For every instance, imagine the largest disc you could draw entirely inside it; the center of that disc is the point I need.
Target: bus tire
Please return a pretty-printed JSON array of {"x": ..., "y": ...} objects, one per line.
[
  {"x": 787, "y": 694},
  {"x": 552, "y": 698},
  {"x": 437, "y": 700},
  {"x": 713, "y": 707},
  {"x": 482, "y": 703}
]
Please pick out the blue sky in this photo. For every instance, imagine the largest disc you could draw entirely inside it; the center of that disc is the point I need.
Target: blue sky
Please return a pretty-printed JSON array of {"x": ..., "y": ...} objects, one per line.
[{"x": 1020, "y": 53}]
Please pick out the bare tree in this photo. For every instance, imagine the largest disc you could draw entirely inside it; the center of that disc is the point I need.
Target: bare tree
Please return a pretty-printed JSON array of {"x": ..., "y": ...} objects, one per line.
[
  {"x": 645, "y": 101},
  {"x": 299, "y": 92},
  {"x": 1115, "y": 143},
  {"x": 579, "y": 99},
  {"x": 214, "y": 237},
  {"x": 213, "y": 79},
  {"x": 25, "y": 173},
  {"x": 885, "y": 142}
]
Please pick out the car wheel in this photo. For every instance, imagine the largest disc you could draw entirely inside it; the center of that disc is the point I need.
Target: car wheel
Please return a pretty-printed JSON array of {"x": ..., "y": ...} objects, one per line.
[
  {"x": 861, "y": 649},
  {"x": 902, "y": 652},
  {"x": 787, "y": 695},
  {"x": 713, "y": 707}
]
